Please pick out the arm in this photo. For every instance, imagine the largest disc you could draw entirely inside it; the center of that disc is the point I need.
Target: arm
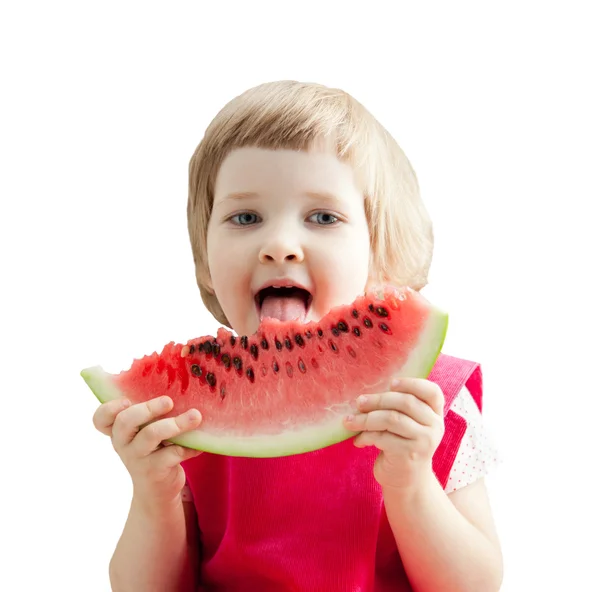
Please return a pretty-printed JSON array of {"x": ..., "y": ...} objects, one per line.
[
  {"x": 447, "y": 542},
  {"x": 159, "y": 544},
  {"x": 157, "y": 550}
]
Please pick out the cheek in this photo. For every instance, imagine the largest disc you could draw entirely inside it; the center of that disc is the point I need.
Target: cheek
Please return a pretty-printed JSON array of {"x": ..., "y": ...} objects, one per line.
[
  {"x": 344, "y": 269},
  {"x": 227, "y": 286},
  {"x": 355, "y": 254},
  {"x": 222, "y": 264},
  {"x": 227, "y": 273}
]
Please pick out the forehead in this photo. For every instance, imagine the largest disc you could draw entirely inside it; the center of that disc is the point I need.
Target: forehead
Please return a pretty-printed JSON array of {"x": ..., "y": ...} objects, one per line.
[{"x": 250, "y": 171}]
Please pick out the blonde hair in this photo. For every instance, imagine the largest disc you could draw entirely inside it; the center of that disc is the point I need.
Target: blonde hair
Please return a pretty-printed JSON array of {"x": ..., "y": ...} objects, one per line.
[{"x": 297, "y": 116}]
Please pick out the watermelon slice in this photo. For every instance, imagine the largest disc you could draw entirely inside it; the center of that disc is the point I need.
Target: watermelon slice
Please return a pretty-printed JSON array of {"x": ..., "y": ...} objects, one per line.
[{"x": 285, "y": 389}]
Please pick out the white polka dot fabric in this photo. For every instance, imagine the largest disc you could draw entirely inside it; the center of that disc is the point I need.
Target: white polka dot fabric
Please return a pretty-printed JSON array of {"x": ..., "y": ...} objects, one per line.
[{"x": 477, "y": 454}]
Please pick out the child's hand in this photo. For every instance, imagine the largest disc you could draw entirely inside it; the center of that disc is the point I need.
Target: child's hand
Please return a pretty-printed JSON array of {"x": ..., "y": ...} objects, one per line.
[
  {"x": 407, "y": 425},
  {"x": 154, "y": 465}
]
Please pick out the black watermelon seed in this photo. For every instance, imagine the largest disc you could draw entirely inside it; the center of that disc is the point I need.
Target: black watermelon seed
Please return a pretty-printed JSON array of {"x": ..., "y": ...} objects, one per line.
[
  {"x": 278, "y": 344},
  {"x": 250, "y": 374},
  {"x": 237, "y": 363},
  {"x": 320, "y": 332},
  {"x": 354, "y": 313},
  {"x": 351, "y": 351},
  {"x": 288, "y": 343},
  {"x": 301, "y": 366},
  {"x": 384, "y": 328},
  {"x": 333, "y": 346},
  {"x": 335, "y": 331},
  {"x": 342, "y": 327},
  {"x": 367, "y": 322},
  {"x": 196, "y": 370},
  {"x": 223, "y": 392},
  {"x": 289, "y": 369},
  {"x": 299, "y": 340},
  {"x": 308, "y": 334},
  {"x": 356, "y": 331},
  {"x": 232, "y": 340},
  {"x": 382, "y": 312},
  {"x": 216, "y": 349},
  {"x": 371, "y": 308},
  {"x": 210, "y": 378},
  {"x": 264, "y": 343},
  {"x": 275, "y": 366},
  {"x": 207, "y": 347},
  {"x": 244, "y": 342},
  {"x": 226, "y": 359},
  {"x": 254, "y": 351},
  {"x": 192, "y": 348}
]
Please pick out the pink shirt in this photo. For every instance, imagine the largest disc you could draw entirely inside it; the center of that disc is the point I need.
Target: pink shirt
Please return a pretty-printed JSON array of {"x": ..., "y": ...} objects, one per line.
[{"x": 313, "y": 521}]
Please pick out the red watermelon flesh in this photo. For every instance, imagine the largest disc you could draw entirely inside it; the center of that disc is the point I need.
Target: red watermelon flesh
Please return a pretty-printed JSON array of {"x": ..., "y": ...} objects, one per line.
[{"x": 285, "y": 389}]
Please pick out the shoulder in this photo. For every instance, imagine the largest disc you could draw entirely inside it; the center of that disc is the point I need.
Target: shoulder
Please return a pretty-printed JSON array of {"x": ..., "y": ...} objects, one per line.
[
  {"x": 467, "y": 452},
  {"x": 452, "y": 374}
]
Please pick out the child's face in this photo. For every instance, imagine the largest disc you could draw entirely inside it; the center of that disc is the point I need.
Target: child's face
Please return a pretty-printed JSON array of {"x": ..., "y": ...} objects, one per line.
[{"x": 284, "y": 234}]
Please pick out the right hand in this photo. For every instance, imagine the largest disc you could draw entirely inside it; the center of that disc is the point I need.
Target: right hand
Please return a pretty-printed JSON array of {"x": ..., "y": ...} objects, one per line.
[{"x": 155, "y": 467}]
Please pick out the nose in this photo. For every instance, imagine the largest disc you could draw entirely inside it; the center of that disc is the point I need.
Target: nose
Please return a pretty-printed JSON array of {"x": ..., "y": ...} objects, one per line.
[{"x": 281, "y": 247}]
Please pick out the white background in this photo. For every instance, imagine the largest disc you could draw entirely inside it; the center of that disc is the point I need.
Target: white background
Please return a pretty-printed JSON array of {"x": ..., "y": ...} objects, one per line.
[{"x": 102, "y": 106}]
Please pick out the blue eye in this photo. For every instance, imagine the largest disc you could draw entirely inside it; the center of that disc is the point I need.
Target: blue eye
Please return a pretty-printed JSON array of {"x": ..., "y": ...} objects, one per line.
[
  {"x": 324, "y": 218},
  {"x": 244, "y": 219}
]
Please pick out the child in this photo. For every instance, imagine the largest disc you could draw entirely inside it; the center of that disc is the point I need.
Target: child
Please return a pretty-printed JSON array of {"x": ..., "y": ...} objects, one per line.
[{"x": 298, "y": 185}]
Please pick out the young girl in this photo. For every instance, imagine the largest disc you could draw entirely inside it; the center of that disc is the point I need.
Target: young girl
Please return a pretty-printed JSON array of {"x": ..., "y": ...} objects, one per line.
[{"x": 298, "y": 185}]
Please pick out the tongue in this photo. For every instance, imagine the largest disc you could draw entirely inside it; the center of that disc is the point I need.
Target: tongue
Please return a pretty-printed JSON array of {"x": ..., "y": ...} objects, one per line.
[{"x": 284, "y": 308}]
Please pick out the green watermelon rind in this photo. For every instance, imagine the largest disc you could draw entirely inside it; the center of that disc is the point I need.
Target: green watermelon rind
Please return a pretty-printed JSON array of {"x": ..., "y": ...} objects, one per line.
[
  {"x": 423, "y": 356},
  {"x": 418, "y": 365}
]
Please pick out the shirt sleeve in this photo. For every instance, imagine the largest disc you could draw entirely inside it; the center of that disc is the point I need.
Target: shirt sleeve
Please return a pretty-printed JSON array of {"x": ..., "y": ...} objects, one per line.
[{"x": 477, "y": 454}]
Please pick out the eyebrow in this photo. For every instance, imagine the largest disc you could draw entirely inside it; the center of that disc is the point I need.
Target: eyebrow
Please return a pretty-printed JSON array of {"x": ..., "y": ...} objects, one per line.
[
  {"x": 317, "y": 195},
  {"x": 239, "y": 195},
  {"x": 323, "y": 196}
]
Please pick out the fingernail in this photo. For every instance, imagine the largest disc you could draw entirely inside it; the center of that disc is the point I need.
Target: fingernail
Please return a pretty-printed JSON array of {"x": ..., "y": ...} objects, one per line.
[
  {"x": 349, "y": 418},
  {"x": 193, "y": 414},
  {"x": 396, "y": 383},
  {"x": 125, "y": 403},
  {"x": 361, "y": 400}
]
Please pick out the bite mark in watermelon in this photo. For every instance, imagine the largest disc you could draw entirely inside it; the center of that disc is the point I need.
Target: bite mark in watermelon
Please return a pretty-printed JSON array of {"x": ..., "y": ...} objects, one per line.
[{"x": 286, "y": 389}]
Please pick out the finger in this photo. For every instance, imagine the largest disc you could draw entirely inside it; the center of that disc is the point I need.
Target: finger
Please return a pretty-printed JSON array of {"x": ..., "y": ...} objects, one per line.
[
  {"x": 425, "y": 390},
  {"x": 385, "y": 420},
  {"x": 381, "y": 440},
  {"x": 171, "y": 456},
  {"x": 129, "y": 422},
  {"x": 151, "y": 436},
  {"x": 104, "y": 416},
  {"x": 405, "y": 403}
]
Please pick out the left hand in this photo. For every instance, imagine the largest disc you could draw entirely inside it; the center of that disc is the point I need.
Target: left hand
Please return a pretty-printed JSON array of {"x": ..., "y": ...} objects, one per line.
[{"x": 407, "y": 425}]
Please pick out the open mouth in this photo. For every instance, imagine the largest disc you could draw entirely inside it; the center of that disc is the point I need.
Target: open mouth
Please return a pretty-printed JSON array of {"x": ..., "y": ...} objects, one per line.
[{"x": 284, "y": 303}]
